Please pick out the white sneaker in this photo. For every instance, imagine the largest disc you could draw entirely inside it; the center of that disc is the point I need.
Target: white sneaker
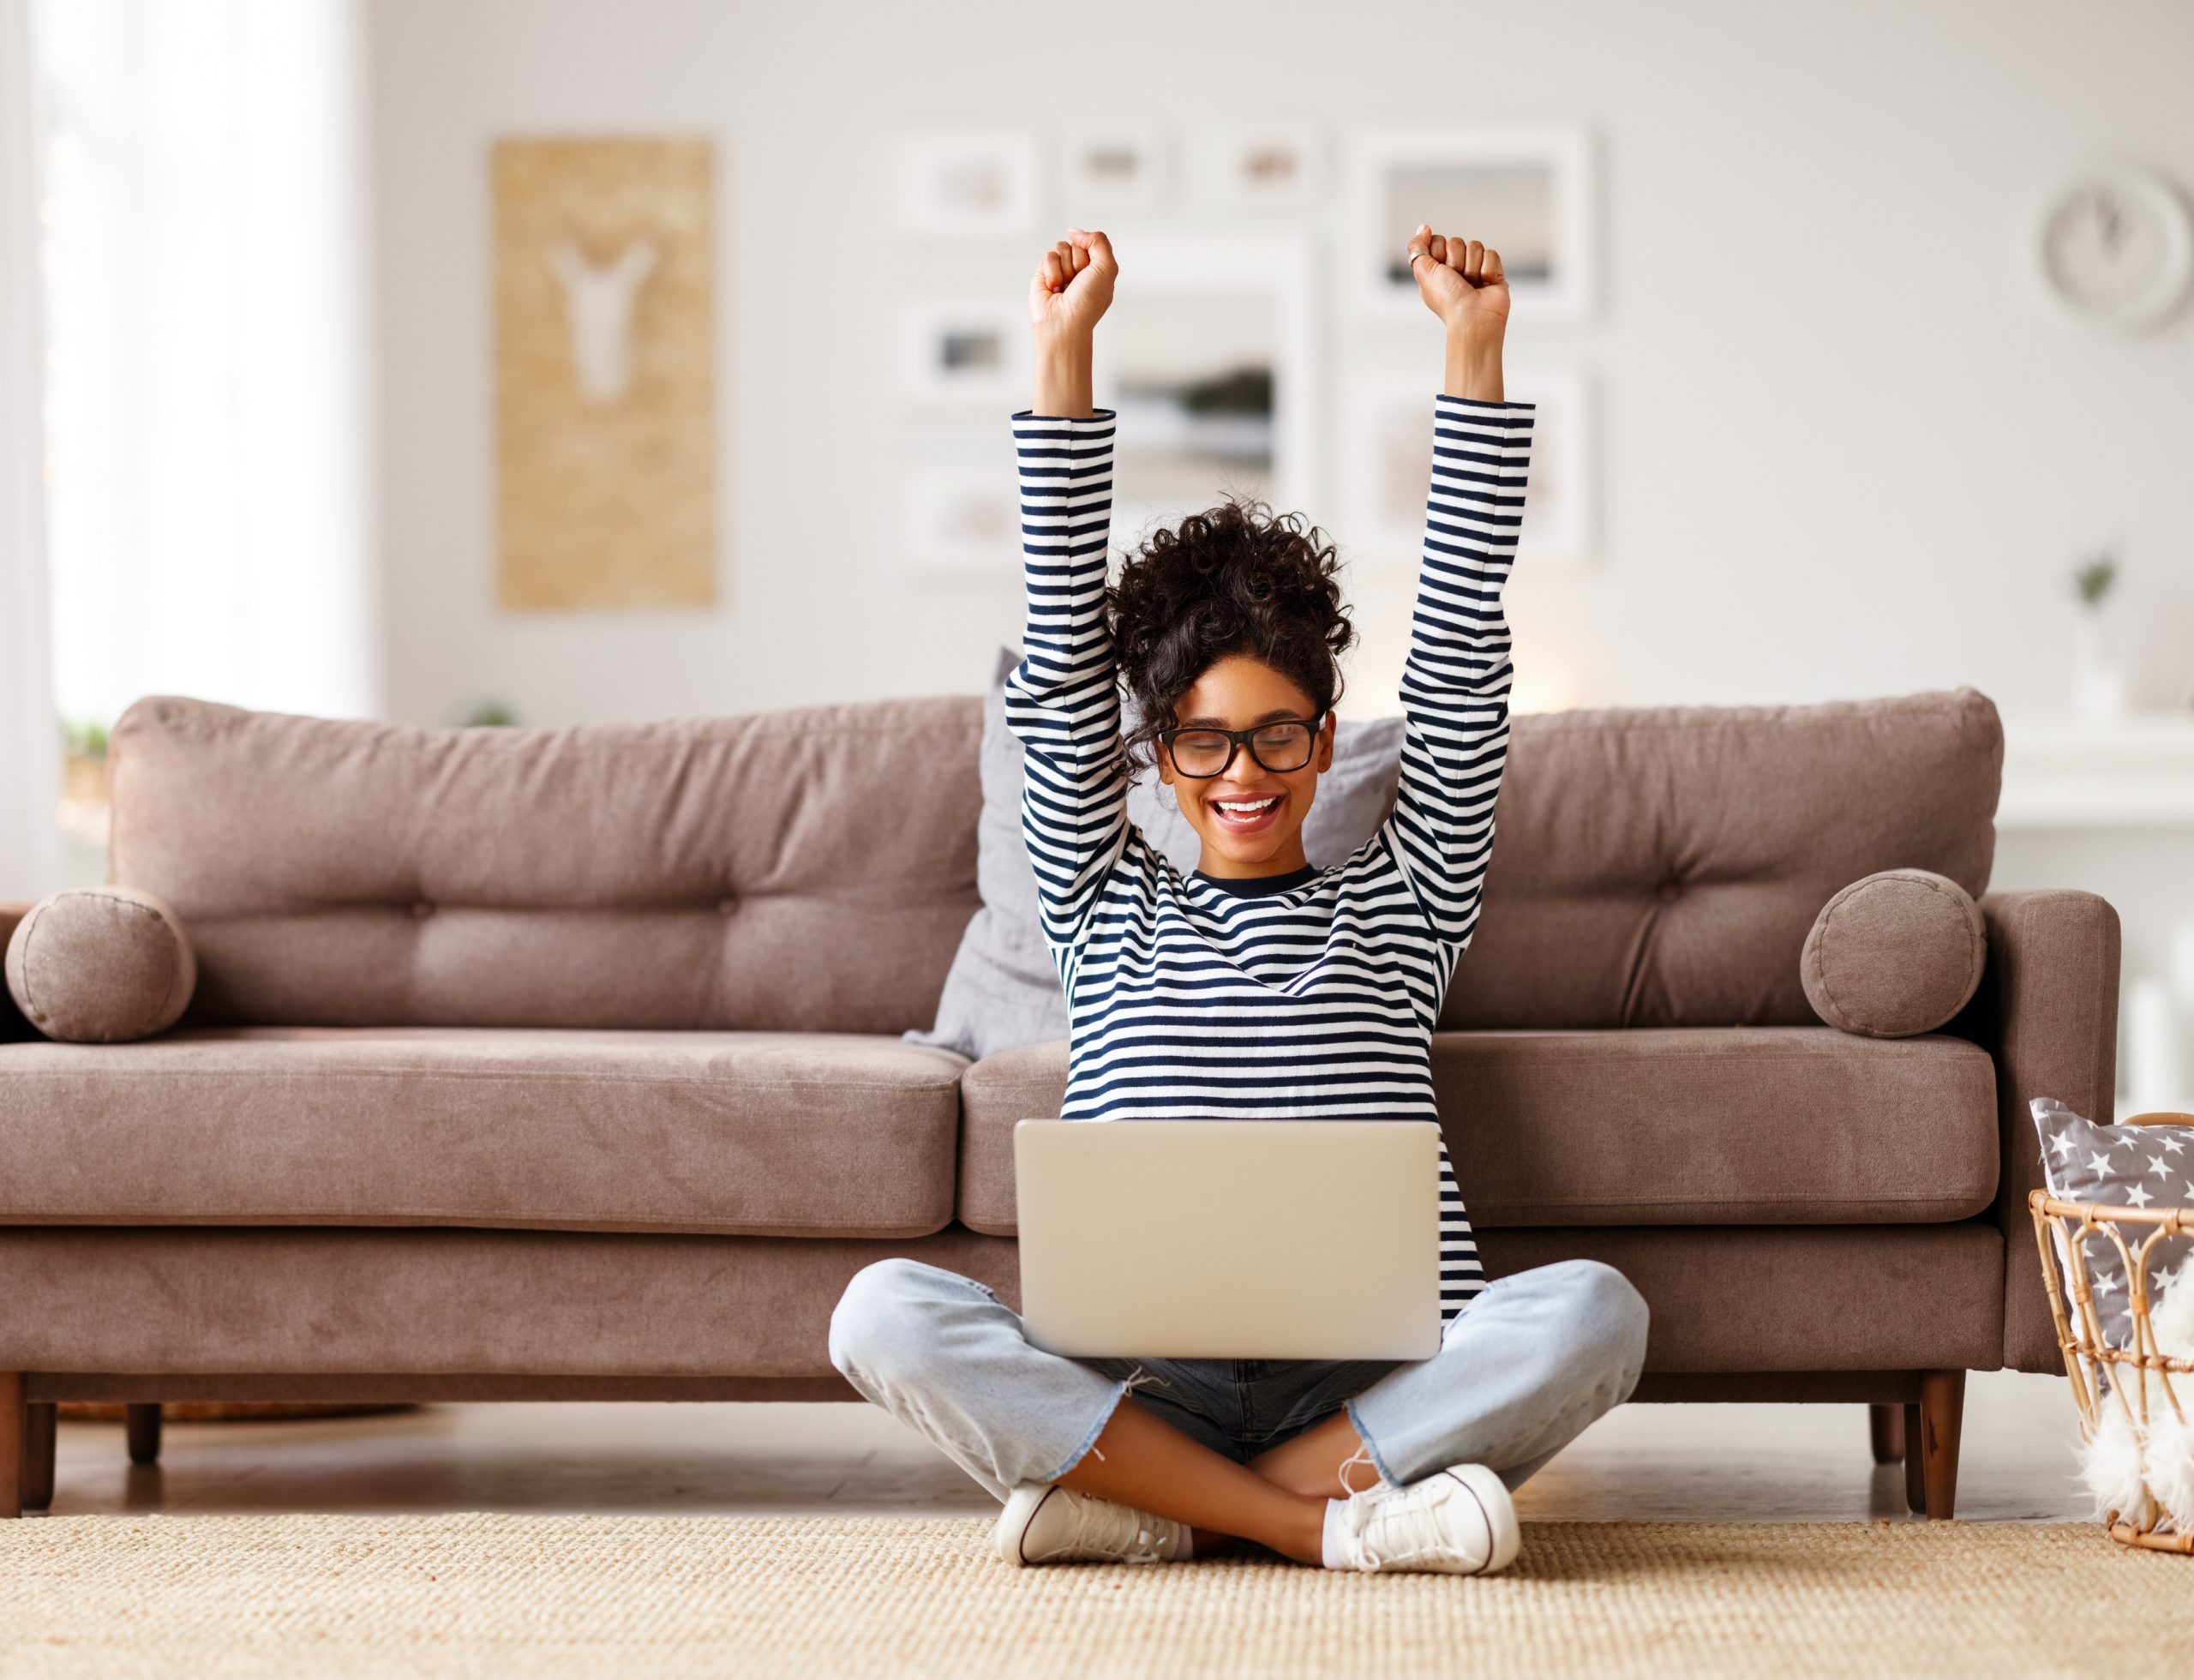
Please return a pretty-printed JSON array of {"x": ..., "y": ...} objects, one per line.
[
  {"x": 1045, "y": 1523},
  {"x": 1459, "y": 1520}
]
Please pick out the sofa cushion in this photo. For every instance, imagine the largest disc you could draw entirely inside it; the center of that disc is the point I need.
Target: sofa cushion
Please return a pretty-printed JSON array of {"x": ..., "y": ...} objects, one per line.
[
  {"x": 795, "y": 1135},
  {"x": 783, "y": 873},
  {"x": 100, "y": 965},
  {"x": 1895, "y": 954},
  {"x": 1782, "y": 1126}
]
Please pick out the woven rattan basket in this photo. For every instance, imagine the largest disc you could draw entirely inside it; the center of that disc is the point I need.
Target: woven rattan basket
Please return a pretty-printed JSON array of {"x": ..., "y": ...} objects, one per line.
[{"x": 2143, "y": 1379}]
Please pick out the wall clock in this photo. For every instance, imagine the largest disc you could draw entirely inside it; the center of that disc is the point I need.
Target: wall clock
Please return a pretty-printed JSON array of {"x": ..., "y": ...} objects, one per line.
[{"x": 2118, "y": 248}]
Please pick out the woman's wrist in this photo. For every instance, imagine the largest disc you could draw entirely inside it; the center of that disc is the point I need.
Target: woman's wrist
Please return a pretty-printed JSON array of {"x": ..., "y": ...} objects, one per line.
[
  {"x": 1064, "y": 383},
  {"x": 1474, "y": 364}
]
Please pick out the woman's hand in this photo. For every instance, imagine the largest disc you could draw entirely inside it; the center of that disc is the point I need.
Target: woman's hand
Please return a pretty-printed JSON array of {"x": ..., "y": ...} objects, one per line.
[
  {"x": 1068, "y": 295},
  {"x": 1461, "y": 280},
  {"x": 1072, "y": 286}
]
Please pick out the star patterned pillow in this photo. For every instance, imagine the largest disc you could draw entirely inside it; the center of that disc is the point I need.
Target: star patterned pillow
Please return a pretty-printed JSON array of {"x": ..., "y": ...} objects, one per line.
[{"x": 2122, "y": 1167}]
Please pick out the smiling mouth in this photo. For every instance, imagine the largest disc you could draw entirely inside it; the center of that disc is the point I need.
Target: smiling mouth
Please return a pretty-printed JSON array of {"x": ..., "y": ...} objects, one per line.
[{"x": 1246, "y": 814}]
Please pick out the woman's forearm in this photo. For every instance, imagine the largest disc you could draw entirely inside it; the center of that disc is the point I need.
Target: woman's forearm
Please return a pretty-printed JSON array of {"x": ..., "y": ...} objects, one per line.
[
  {"x": 1474, "y": 364},
  {"x": 1065, "y": 385}
]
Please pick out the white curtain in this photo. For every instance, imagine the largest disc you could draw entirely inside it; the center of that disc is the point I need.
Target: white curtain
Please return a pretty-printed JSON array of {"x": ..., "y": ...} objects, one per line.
[
  {"x": 208, "y": 399},
  {"x": 30, "y": 752}
]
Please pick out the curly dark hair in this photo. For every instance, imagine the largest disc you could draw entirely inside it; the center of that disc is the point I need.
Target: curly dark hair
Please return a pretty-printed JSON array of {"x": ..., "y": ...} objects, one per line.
[{"x": 1235, "y": 578}]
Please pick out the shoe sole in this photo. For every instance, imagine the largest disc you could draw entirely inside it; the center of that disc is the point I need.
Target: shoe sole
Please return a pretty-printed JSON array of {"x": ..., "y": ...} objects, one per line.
[
  {"x": 1015, "y": 1520},
  {"x": 1492, "y": 1494}
]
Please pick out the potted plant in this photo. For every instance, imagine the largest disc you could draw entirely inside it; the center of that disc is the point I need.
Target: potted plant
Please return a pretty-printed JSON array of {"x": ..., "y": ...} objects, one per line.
[{"x": 2098, "y": 685}]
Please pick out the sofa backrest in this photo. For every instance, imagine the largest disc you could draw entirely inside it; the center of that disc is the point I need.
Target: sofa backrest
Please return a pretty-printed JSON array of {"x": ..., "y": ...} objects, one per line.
[
  {"x": 805, "y": 870},
  {"x": 1661, "y": 866},
  {"x": 812, "y": 870}
]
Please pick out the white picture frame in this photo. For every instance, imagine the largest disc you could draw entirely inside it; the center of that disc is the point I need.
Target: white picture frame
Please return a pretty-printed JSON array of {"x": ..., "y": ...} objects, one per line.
[
  {"x": 965, "y": 352},
  {"x": 1110, "y": 172},
  {"x": 1200, "y": 305},
  {"x": 966, "y": 183},
  {"x": 963, "y": 521},
  {"x": 1386, "y": 464},
  {"x": 1528, "y": 192},
  {"x": 1259, "y": 167}
]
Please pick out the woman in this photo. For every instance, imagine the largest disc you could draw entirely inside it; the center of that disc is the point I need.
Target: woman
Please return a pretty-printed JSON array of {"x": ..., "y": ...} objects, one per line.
[{"x": 1258, "y": 986}]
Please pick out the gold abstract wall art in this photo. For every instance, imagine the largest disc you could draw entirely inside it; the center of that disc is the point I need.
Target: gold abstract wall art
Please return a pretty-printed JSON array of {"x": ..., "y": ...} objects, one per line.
[{"x": 605, "y": 374}]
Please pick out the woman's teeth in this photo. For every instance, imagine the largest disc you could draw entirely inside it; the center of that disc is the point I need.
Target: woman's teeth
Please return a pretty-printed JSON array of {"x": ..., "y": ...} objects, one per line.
[{"x": 1247, "y": 807}]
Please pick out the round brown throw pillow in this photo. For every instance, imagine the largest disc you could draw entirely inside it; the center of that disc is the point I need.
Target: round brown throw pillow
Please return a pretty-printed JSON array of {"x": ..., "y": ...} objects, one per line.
[
  {"x": 100, "y": 964},
  {"x": 1894, "y": 954}
]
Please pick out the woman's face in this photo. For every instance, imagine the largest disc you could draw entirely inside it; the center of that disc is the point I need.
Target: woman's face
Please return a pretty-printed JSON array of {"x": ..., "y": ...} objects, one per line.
[{"x": 1240, "y": 693}]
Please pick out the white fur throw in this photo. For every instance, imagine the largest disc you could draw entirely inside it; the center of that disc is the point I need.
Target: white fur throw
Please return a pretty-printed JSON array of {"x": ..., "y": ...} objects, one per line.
[{"x": 2144, "y": 1478}]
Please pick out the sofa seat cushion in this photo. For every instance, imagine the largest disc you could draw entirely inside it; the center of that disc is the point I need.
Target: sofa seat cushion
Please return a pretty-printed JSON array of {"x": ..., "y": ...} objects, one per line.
[
  {"x": 775, "y": 1134},
  {"x": 1691, "y": 1125}
]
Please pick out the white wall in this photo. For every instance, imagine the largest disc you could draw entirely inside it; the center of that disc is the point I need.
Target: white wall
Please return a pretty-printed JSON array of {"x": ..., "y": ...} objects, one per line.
[
  {"x": 30, "y": 858},
  {"x": 1848, "y": 446}
]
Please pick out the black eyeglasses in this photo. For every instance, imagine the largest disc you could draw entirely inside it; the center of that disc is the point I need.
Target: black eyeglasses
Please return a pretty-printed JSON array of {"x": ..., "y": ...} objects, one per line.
[{"x": 1281, "y": 745}]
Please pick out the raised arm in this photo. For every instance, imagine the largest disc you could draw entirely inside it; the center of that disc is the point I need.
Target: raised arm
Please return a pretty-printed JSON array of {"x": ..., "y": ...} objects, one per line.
[
  {"x": 1062, "y": 700},
  {"x": 1455, "y": 680}
]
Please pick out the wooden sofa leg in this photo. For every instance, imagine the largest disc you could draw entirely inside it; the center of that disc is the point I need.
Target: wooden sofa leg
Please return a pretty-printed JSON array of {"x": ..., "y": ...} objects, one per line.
[
  {"x": 1886, "y": 1424},
  {"x": 143, "y": 1425},
  {"x": 14, "y": 1421},
  {"x": 1915, "y": 1466},
  {"x": 39, "y": 1418},
  {"x": 1931, "y": 1437}
]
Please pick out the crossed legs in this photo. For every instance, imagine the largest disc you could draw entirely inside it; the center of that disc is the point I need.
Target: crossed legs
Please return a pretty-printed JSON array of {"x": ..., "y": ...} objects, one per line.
[
  {"x": 1144, "y": 1461},
  {"x": 1520, "y": 1372}
]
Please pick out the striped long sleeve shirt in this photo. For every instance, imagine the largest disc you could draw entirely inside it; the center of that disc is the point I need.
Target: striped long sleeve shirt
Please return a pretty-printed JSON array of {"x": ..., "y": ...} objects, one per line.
[{"x": 1186, "y": 999}]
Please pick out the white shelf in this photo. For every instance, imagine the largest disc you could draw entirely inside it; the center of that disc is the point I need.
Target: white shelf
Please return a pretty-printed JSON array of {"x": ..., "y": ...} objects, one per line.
[{"x": 2135, "y": 771}]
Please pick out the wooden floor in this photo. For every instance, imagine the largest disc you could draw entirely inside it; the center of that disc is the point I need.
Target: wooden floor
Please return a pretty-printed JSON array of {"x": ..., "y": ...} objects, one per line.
[{"x": 1718, "y": 1463}]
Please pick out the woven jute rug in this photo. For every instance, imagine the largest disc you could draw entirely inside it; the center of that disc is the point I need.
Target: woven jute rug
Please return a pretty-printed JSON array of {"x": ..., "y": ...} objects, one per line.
[{"x": 570, "y": 1595}]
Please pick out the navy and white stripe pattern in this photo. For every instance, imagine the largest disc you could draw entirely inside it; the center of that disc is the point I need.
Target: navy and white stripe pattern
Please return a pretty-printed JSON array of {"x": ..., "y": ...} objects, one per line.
[{"x": 1317, "y": 1002}]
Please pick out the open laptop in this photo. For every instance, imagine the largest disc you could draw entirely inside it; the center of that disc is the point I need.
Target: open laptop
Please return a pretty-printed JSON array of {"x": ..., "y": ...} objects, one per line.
[{"x": 1247, "y": 1239}]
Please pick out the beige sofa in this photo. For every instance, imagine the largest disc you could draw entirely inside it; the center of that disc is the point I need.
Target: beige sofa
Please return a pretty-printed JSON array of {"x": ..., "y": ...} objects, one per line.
[{"x": 566, "y": 1063}]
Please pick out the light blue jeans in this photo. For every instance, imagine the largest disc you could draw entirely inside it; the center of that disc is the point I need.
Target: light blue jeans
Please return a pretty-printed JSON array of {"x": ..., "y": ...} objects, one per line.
[{"x": 1520, "y": 1371}]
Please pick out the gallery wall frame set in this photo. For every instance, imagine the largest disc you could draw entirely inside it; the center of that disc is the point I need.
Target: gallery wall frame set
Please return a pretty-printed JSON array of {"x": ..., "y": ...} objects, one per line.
[
  {"x": 1251, "y": 254},
  {"x": 987, "y": 183}
]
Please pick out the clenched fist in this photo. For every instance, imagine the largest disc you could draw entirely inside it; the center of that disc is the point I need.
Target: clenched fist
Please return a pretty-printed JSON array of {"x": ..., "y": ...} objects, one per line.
[
  {"x": 1072, "y": 286},
  {"x": 1461, "y": 280}
]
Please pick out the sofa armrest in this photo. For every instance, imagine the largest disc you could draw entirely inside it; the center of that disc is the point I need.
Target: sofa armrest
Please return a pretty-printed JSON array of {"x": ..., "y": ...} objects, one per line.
[
  {"x": 13, "y": 1026},
  {"x": 2047, "y": 1011}
]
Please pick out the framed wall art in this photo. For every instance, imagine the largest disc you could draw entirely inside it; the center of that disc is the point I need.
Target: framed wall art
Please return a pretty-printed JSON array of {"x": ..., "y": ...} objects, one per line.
[
  {"x": 1386, "y": 451},
  {"x": 1274, "y": 167},
  {"x": 972, "y": 352},
  {"x": 1108, "y": 172},
  {"x": 605, "y": 369},
  {"x": 1211, "y": 365},
  {"x": 966, "y": 184},
  {"x": 1527, "y": 192}
]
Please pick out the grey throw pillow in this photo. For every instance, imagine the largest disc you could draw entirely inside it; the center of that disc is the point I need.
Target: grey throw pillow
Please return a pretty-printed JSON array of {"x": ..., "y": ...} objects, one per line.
[
  {"x": 1001, "y": 990},
  {"x": 2122, "y": 1167}
]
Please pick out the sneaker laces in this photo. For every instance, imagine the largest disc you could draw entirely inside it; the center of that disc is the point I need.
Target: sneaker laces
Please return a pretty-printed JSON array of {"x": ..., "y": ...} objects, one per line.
[
  {"x": 1391, "y": 1513},
  {"x": 1106, "y": 1528}
]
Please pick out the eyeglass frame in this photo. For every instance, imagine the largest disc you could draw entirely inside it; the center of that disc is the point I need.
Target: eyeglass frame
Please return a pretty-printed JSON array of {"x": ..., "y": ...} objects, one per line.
[{"x": 1238, "y": 739}]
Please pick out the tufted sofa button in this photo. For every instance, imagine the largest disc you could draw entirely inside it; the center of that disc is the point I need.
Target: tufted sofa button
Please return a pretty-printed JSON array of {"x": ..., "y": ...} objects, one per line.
[
  {"x": 726, "y": 906},
  {"x": 1670, "y": 891},
  {"x": 422, "y": 909}
]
